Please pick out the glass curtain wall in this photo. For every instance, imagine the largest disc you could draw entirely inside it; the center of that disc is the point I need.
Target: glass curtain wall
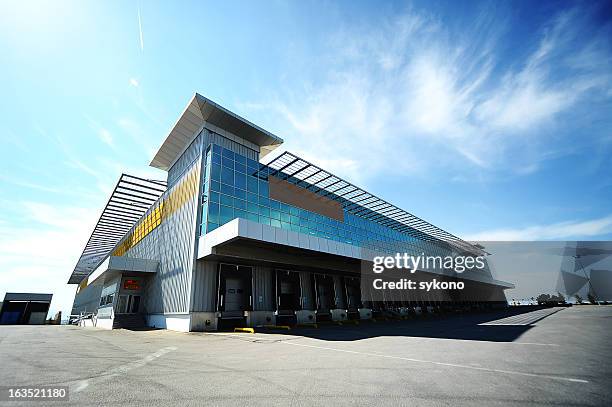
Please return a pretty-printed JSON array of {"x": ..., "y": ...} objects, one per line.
[{"x": 237, "y": 187}]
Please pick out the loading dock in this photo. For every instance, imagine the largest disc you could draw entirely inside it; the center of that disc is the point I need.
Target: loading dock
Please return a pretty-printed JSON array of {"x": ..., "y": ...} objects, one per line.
[
  {"x": 234, "y": 297},
  {"x": 288, "y": 296},
  {"x": 352, "y": 286},
  {"x": 324, "y": 295}
]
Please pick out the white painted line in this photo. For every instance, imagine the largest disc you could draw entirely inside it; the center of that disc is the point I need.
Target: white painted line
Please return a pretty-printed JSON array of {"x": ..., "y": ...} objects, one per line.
[
  {"x": 532, "y": 343},
  {"x": 484, "y": 369},
  {"x": 123, "y": 369}
]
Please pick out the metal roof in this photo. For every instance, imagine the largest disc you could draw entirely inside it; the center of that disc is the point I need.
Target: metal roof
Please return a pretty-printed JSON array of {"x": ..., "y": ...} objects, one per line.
[
  {"x": 130, "y": 200},
  {"x": 35, "y": 297},
  {"x": 199, "y": 111},
  {"x": 359, "y": 202}
]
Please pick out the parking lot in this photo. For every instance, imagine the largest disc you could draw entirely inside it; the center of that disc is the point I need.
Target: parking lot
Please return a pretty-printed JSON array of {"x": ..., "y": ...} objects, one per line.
[{"x": 551, "y": 358}]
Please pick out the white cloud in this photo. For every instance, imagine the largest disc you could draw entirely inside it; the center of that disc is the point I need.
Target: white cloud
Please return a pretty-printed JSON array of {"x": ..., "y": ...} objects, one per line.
[
  {"x": 39, "y": 253},
  {"x": 134, "y": 82},
  {"x": 562, "y": 230},
  {"x": 106, "y": 137},
  {"x": 409, "y": 93}
]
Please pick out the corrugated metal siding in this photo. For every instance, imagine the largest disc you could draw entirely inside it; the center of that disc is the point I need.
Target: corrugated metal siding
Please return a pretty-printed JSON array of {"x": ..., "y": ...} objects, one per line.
[
  {"x": 88, "y": 299},
  {"x": 263, "y": 288},
  {"x": 173, "y": 245},
  {"x": 308, "y": 299},
  {"x": 204, "y": 287},
  {"x": 231, "y": 145},
  {"x": 185, "y": 161}
]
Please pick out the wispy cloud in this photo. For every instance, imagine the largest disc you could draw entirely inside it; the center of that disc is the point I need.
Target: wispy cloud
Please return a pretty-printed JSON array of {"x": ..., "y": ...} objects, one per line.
[
  {"x": 563, "y": 230},
  {"x": 140, "y": 36},
  {"x": 411, "y": 93},
  {"x": 106, "y": 137}
]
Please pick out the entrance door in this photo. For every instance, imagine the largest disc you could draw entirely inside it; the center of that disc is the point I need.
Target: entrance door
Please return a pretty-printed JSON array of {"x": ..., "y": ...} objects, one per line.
[
  {"x": 128, "y": 304},
  {"x": 133, "y": 304}
]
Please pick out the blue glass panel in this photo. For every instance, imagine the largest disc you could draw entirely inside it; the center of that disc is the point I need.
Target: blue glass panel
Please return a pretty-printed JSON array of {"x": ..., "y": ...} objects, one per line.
[
  {"x": 228, "y": 154},
  {"x": 227, "y": 176},
  {"x": 240, "y": 168},
  {"x": 252, "y": 165},
  {"x": 264, "y": 210},
  {"x": 274, "y": 204},
  {"x": 227, "y": 200},
  {"x": 240, "y": 193},
  {"x": 274, "y": 214},
  {"x": 252, "y": 207},
  {"x": 276, "y": 223},
  {"x": 240, "y": 181},
  {"x": 263, "y": 188},
  {"x": 240, "y": 214},
  {"x": 216, "y": 172},
  {"x": 226, "y": 214},
  {"x": 264, "y": 201},
  {"x": 294, "y": 211},
  {"x": 240, "y": 159},
  {"x": 264, "y": 220},
  {"x": 216, "y": 148},
  {"x": 213, "y": 212},
  {"x": 252, "y": 184},
  {"x": 215, "y": 186},
  {"x": 252, "y": 197},
  {"x": 226, "y": 189},
  {"x": 285, "y": 217},
  {"x": 214, "y": 197},
  {"x": 240, "y": 204},
  {"x": 216, "y": 159},
  {"x": 253, "y": 216},
  {"x": 212, "y": 226},
  {"x": 227, "y": 163}
]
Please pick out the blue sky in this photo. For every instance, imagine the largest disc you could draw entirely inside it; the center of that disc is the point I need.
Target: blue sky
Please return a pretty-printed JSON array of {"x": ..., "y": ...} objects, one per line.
[{"x": 491, "y": 120}]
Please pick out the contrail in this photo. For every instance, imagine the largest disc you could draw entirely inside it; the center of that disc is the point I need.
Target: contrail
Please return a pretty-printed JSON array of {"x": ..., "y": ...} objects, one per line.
[{"x": 140, "y": 31}]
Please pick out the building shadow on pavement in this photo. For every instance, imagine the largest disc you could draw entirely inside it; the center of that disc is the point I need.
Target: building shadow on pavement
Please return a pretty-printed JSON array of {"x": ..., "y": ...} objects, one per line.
[{"x": 475, "y": 327}]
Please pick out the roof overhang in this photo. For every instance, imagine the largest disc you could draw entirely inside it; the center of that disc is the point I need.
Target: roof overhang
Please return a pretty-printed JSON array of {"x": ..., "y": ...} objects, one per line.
[
  {"x": 200, "y": 111},
  {"x": 130, "y": 200},
  {"x": 123, "y": 264}
]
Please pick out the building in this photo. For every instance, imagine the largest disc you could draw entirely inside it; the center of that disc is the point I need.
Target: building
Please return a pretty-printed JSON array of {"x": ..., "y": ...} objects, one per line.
[
  {"x": 228, "y": 241},
  {"x": 24, "y": 308}
]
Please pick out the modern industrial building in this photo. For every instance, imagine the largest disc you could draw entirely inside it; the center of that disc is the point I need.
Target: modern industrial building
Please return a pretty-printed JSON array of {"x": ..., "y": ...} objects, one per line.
[
  {"x": 227, "y": 241},
  {"x": 24, "y": 308}
]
